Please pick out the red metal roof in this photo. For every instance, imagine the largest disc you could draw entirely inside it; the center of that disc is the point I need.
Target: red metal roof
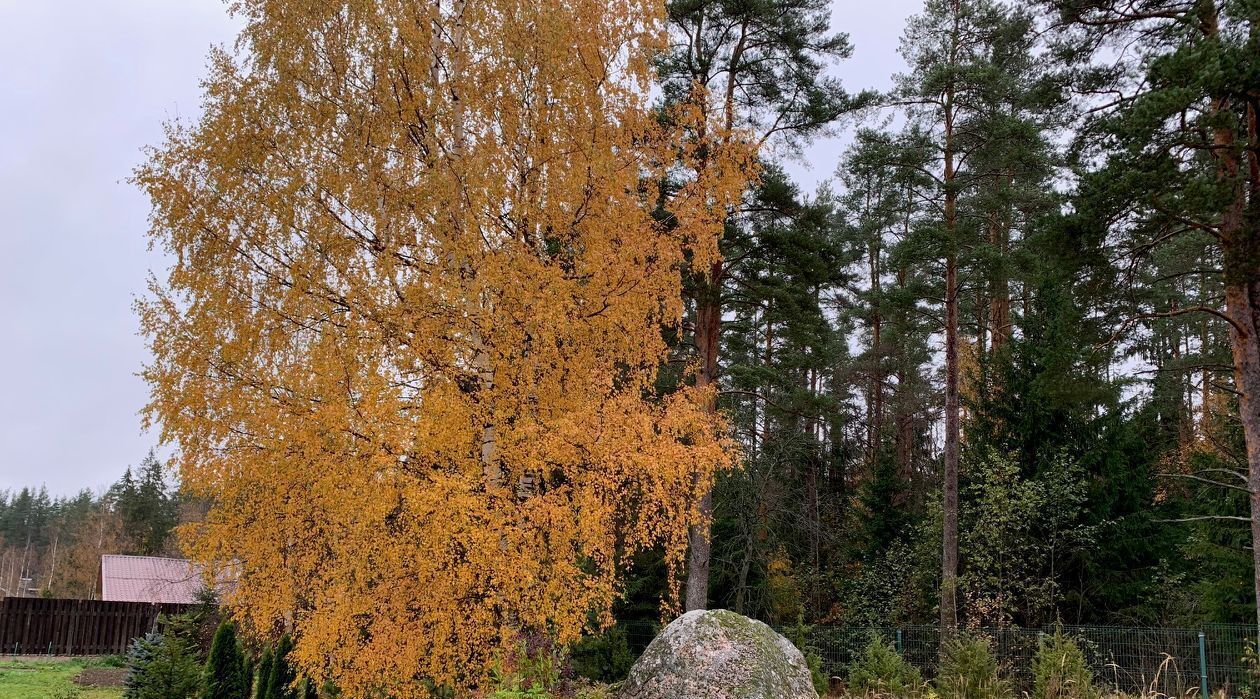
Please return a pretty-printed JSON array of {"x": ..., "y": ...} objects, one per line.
[{"x": 149, "y": 579}]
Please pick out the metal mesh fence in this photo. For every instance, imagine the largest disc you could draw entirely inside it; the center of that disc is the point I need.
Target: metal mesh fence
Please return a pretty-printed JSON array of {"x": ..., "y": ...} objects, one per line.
[
  {"x": 1168, "y": 661},
  {"x": 1124, "y": 659}
]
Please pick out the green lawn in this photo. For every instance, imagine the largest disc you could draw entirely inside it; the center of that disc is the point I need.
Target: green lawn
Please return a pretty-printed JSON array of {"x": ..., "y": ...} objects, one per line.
[{"x": 24, "y": 678}]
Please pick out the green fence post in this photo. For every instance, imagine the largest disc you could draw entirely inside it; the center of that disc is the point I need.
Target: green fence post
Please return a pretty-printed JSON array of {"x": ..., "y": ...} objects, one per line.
[
  {"x": 1203, "y": 678},
  {"x": 900, "y": 646}
]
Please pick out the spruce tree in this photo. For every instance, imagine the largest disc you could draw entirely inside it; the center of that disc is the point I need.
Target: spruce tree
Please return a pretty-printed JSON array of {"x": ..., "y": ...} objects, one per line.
[
  {"x": 148, "y": 505},
  {"x": 161, "y": 666}
]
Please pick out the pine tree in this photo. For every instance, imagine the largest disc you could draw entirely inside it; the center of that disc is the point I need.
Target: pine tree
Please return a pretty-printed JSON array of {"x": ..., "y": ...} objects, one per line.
[
  {"x": 883, "y": 201},
  {"x": 1175, "y": 152},
  {"x": 970, "y": 64},
  {"x": 760, "y": 67},
  {"x": 781, "y": 351}
]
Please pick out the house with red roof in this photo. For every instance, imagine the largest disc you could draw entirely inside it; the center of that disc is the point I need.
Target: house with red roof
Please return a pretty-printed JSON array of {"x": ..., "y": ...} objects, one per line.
[{"x": 150, "y": 579}]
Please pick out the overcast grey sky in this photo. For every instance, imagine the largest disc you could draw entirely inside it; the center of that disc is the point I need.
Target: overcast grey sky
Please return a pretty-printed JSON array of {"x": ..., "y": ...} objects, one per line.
[{"x": 84, "y": 85}]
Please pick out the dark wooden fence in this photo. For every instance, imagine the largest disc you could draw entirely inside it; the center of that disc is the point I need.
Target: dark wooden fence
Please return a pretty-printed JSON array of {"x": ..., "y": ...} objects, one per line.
[{"x": 37, "y": 626}]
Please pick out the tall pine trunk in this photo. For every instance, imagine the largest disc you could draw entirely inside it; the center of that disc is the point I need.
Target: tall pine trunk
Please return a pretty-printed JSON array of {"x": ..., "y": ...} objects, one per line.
[
  {"x": 1000, "y": 301},
  {"x": 1242, "y": 303},
  {"x": 1240, "y": 247},
  {"x": 949, "y": 486},
  {"x": 1240, "y": 242},
  {"x": 902, "y": 418},
  {"x": 876, "y": 421},
  {"x": 708, "y": 327}
]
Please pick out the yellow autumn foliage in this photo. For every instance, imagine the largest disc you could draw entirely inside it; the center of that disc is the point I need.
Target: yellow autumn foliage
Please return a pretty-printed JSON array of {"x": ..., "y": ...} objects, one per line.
[{"x": 408, "y": 339}]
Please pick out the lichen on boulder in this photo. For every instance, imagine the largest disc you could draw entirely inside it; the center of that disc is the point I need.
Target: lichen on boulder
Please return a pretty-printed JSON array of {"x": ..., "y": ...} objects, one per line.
[{"x": 719, "y": 655}]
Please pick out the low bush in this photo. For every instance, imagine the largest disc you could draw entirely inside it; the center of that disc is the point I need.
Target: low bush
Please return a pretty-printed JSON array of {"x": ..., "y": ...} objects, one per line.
[
  {"x": 592, "y": 690},
  {"x": 604, "y": 657},
  {"x": 1250, "y": 685},
  {"x": 881, "y": 670},
  {"x": 112, "y": 661},
  {"x": 1060, "y": 670},
  {"x": 799, "y": 636},
  {"x": 822, "y": 684},
  {"x": 969, "y": 671},
  {"x": 521, "y": 693},
  {"x": 529, "y": 673}
]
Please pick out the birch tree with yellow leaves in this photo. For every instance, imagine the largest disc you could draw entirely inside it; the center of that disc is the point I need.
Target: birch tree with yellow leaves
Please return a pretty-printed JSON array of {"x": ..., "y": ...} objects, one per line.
[{"x": 408, "y": 338}]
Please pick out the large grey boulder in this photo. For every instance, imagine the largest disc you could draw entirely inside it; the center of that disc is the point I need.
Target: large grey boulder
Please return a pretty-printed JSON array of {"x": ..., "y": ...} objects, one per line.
[{"x": 719, "y": 655}]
